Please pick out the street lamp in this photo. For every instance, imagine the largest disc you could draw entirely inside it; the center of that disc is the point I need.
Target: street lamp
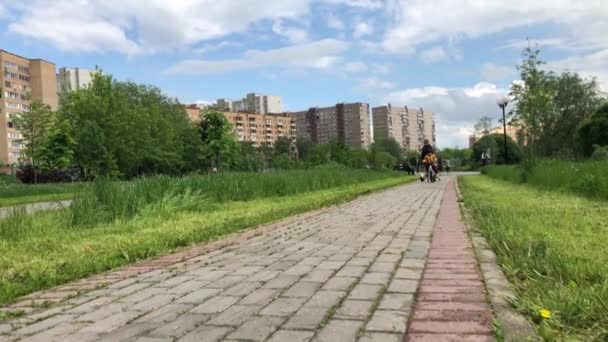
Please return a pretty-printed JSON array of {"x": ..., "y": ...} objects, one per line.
[{"x": 502, "y": 103}]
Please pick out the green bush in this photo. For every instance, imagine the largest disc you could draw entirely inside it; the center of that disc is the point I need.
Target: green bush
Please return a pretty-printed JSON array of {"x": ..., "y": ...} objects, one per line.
[
  {"x": 594, "y": 131},
  {"x": 600, "y": 153}
]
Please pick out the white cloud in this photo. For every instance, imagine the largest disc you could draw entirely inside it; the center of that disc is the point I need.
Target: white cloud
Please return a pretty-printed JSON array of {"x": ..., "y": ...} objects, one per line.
[
  {"x": 131, "y": 27},
  {"x": 434, "y": 55},
  {"x": 520, "y": 44},
  {"x": 333, "y": 22},
  {"x": 590, "y": 65},
  {"x": 363, "y": 29},
  {"x": 320, "y": 54},
  {"x": 373, "y": 83},
  {"x": 293, "y": 34},
  {"x": 355, "y": 67},
  {"x": 382, "y": 69},
  {"x": 216, "y": 47},
  {"x": 425, "y": 21},
  {"x": 456, "y": 109},
  {"x": 493, "y": 72}
]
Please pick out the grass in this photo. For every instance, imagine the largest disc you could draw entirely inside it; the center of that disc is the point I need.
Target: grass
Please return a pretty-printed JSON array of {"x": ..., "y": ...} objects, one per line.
[
  {"x": 113, "y": 224},
  {"x": 552, "y": 247},
  {"x": 586, "y": 178},
  {"x": 12, "y": 193}
]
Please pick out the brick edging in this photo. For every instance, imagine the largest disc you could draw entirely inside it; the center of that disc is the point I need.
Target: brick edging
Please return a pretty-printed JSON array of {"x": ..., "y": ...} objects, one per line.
[{"x": 515, "y": 326}]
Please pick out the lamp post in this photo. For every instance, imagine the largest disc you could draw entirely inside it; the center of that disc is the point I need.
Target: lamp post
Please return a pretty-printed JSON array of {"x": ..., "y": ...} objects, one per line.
[{"x": 502, "y": 103}]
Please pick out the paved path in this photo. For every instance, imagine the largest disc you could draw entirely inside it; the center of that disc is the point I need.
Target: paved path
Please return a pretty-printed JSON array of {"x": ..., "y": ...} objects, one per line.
[
  {"x": 346, "y": 274},
  {"x": 34, "y": 207}
]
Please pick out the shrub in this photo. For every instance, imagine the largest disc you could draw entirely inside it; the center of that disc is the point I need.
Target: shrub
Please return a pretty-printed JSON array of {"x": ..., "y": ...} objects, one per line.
[
  {"x": 495, "y": 143},
  {"x": 594, "y": 131},
  {"x": 26, "y": 175},
  {"x": 600, "y": 153}
]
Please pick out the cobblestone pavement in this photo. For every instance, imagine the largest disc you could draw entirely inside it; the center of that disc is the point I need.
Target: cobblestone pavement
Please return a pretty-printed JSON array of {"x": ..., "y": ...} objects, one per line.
[{"x": 346, "y": 274}]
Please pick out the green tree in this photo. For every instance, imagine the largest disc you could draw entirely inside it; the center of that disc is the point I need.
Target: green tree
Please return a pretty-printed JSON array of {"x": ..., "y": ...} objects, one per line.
[
  {"x": 57, "y": 152},
  {"x": 357, "y": 158},
  {"x": 304, "y": 147},
  {"x": 593, "y": 131},
  {"x": 483, "y": 126},
  {"x": 216, "y": 136},
  {"x": 35, "y": 126},
  {"x": 494, "y": 144},
  {"x": 282, "y": 146},
  {"x": 389, "y": 145},
  {"x": 384, "y": 160}
]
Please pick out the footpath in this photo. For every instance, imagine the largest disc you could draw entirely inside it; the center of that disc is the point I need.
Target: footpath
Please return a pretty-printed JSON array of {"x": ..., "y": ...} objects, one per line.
[{"x": 391, "y": 266}]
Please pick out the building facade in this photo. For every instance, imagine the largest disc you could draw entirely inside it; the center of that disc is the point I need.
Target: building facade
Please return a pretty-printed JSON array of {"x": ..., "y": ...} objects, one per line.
[
  {"x": 253, "y": 103},
  {"x": 262, "y": 129},
  {"x": 71, "y": 79},
  {"x": 348, "y": 123},
  {"x": 22, "y": 80},
  {"x": 409, "y": 127}
]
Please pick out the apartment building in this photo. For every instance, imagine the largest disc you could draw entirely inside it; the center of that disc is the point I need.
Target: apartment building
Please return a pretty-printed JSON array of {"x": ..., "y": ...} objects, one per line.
[
  {"x": 71, "y": 79},
  {"x": 262, "y": 129},
  {"x": 22, "y": 80},
  {"x": 348, "y": 123},
  {"x": 253, "y": 103},
  {"x": 409, "y": 127}
]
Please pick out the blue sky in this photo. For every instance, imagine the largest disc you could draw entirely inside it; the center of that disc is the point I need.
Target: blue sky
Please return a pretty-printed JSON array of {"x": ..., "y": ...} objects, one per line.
[{"x": 451, "y": 57}]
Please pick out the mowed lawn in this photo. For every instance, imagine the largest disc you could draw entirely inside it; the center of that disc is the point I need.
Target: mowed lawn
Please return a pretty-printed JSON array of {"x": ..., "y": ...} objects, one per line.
[
  {"x": 115, "y": 223},
  {"x": 553, "y": 247}
]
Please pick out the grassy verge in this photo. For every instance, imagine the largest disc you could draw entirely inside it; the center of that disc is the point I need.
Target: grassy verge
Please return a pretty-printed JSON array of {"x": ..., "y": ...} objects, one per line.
[
  {"x": 584, "y": 178},
  {"x": 552, "y": 247},
  {"x": 43, "y": 250},
  {"x": 12, "y": 194}
]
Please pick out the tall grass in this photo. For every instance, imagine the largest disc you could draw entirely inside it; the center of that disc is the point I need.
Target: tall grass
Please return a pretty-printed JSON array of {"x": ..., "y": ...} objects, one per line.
[
  {"x": 114, "y": 223},
  {"x": 589, "y": 178},
  {"x": 552, "y": 247}
]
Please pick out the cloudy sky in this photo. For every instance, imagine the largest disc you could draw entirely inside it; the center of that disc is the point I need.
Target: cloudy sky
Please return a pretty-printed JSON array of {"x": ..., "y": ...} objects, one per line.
[{"x": 451, "y": 57}]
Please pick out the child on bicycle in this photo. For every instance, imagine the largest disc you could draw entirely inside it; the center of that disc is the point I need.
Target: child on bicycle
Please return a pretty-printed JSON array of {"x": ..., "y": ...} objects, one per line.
[{"x": 430, "y": 160}]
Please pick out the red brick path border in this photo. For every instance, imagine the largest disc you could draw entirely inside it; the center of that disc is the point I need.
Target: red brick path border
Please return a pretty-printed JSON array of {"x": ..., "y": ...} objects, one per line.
[{"x": 450, "y": 304}]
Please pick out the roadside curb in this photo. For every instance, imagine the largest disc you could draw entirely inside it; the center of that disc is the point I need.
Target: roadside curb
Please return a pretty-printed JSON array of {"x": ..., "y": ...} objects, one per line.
[{"x": 515, "y": 326}]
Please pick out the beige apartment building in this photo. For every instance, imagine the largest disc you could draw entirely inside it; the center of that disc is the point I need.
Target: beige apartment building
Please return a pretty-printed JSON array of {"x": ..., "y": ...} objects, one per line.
[
  {"x": 260, "y": 129},
  {"x": 252, "y": 103},
  {"x": 348, "y": 123},
  {"x": 409, "y": 127},
  {"x": 22, "y": 77}
]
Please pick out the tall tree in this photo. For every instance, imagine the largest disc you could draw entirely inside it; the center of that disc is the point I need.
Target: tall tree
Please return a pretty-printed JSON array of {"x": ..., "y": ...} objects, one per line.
[
  {"x": 35, "y": 126},
  {"x": 216, "y": 136},
  {"x": 483, "y": 126},
  {"x": 57, "y": 152}
]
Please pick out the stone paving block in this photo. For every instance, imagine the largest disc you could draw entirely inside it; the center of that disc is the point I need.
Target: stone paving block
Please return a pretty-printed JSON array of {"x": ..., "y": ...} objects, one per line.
[
  {"x": 330, "y": 265},
  {"x": 412, "y": 263},
  {"x": 392, "y": 321},
  {"x": 225, "y": 282},
  {"x": 403, "y": 286},
  {"x": 198, "y": 296},
  {"x": 365, "y": 292},
  {"x": 302, "y": 289},
  {"x": 325, "y": 299},
  {"x": 248, "y": 270},
  {"x": 55, "y": 333},
  {"x": 235, "y": 315},
  {"x": 339, "y": 283},
  {"x": 167, "y": 313},
  {"x": 102, "y": 312},
  {"x": 260, "y": 297},
  {"x": 257, "y": 328},
  {"x": 407, "y": 273},
  {"x": 339, "y": 331},
  {"x": 298, "y": 270},
  {"x": 450, "y": 327},
  {"x": 381, "y": 337},
  {"x": 351, "y": 271},
  {"x": 376, "y": 278},
  {"x": 389, "y": 258},
  {"x": 360, "y": 262},
  {"x": 319, "y": 276},
  {"x": 264, "y": 276},
  {"x": 142, "y": 295},
  {"x": 206, "y": 333},
  {"x": 291, "y": 336},
  {"x": 281, "y": 282},
  {"x": 186, "y": 287},
  {"x": 307, "y": 318},
  {"x": 181, "y": 326},
  {"x": 111, "y": 323},
  {"x": 422, "y": 337},
  {"x": 215, "y": 305},
  {"x": 242, "y": 289},
  {"x": 283, "y": 306},
  {"x": 125, "y": 291},
  {"x": 154, "y": 339},
  {"x": 382, "y": 267},
  {"x": 153, "y": 303},
  {"x": 396, "y": 301},
  {"x": 354, "y": 309}
]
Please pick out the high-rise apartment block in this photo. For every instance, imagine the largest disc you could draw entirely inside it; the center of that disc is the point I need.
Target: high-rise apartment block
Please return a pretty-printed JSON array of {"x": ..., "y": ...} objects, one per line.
[
  {"x": 348, "y": 123},
  {"x": 71, "y": 79},
  {"x": 22, "y": 80},
  {"x": 253, "y": 103},
  {"x": 409, "y": 127}
]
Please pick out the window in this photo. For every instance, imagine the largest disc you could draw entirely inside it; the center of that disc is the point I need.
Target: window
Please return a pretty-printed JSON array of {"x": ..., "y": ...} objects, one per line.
[
  {"x": 23, "y": 97},
  {"x": 11, "y": 95},
  {"x": 15, "y": 144},
  {"x": 8, "y": 84},
  {"x": 14, "y": 135},
  {"x": 23, "y": 69},
  {"x": 24, "y": 78},
  {"x": 10, "y": 65},
  {"x": 14, "y": 155},
  {"x": 10, "y": 74}
]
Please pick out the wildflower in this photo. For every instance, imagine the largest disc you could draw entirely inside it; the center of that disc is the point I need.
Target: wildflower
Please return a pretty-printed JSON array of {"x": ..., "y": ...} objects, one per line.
[{"x": 544, "y": 313}]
